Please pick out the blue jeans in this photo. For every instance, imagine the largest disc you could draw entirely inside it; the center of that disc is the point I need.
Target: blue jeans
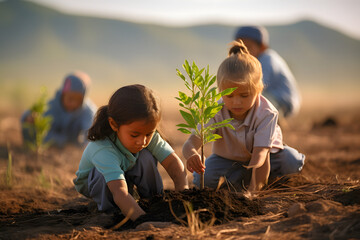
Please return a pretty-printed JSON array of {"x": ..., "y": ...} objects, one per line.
[
  {"x": 144, "y": 175},
  {"x": 284, "y": 162}
]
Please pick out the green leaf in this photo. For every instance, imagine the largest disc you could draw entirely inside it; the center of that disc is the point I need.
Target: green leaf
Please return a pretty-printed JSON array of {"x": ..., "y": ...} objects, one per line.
[
  {"x": 183, "y": 125},
  {"x": 211, "y": 111},
  {"x": 221, "y": 124},
  {"x": 226, "y": 120},
  {"x": 198, "y": 81},
  {"x": 188, "y": 118},
  {"x": 197, "y": 104},
  {"x": 201, "y": 102},
  {"x": 195, "y": 68},
  {"x": 212, "y": 127},
  {"x": 180, "y": 74},
  {"x": 212, "y": 137},
  {"x": 196, "y": 96},
  {"x": 227, "y": 91},
  {"x": 198, "y": 73},
  {"x": 184, "y": 98},
  {"x": 214, "y": 111},
  {"x": 229, "y": 126},
  {"x": 188, "y": 86},
  {"x": 207, "y": 111},
  {"x": 187, "y": 68},
  {"x": 211, "y": 92},
  {"x": 184, "y": 130},
  {"x": 195, "y": 114},
  {"x": 212, "y": 81}
]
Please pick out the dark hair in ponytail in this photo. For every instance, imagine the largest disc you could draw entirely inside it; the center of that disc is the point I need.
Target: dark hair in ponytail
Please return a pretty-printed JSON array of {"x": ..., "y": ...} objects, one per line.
[
  {"x": 126, "y": 105},
  {"x": 100, "y": 127}
]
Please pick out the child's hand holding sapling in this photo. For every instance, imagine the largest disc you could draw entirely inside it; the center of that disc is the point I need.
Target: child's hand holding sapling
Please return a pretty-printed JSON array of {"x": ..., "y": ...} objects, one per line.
[{"x": 198, "y": 108}]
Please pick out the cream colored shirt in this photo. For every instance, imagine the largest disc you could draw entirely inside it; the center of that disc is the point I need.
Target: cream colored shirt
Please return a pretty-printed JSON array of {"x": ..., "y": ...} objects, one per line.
[{"x": 259, "y": 129}]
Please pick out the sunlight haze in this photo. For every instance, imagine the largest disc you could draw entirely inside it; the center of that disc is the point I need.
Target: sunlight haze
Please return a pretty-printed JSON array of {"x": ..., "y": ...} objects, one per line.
[{"x": 341, "y": 15}]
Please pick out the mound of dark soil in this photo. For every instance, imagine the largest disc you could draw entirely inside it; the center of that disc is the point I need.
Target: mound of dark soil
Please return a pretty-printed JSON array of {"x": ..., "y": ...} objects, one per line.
[
  {"x": 348, "y": 197},
  {"x": 207, "y": 204}
]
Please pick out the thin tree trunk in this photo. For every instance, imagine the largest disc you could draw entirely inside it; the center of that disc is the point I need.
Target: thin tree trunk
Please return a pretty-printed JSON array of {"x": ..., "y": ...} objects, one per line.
[{"x": 202, "y": 182}]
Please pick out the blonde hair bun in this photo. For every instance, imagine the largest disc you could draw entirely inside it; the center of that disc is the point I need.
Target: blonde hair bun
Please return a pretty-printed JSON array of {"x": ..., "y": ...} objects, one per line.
[{"x": 238, "y": 47}]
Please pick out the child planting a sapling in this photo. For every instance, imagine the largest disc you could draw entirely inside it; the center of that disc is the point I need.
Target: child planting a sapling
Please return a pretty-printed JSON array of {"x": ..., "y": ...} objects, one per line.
[
  {"x": 247, "y": 153},
  {"x": 71, "y": 113},
  {"x": 200, "y": 107},
  {"x": 124, "y": 150}
]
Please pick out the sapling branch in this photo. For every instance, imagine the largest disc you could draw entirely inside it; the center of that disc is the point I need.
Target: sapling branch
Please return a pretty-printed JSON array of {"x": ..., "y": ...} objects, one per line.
[
  {"x": 40, "y": 124},
  {"x": 200, "y": 106}
]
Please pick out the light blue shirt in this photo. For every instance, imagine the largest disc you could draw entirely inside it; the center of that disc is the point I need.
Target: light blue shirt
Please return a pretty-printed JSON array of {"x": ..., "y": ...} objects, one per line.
[
  {"x": 279, "y": 83},
  {"x": 112, "y": 159}
]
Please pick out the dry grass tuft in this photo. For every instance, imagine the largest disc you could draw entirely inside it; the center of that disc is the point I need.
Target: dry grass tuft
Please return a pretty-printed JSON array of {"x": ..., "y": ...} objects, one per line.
[{"x": 194, "y": 223}]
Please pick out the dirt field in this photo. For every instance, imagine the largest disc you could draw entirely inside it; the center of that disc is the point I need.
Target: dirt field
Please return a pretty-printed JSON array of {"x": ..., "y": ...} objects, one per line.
[{"x": 322, "y": 202}]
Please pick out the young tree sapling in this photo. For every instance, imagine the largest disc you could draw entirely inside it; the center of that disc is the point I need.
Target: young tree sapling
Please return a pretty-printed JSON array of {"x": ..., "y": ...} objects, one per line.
[{"x": 200, "y": 106}]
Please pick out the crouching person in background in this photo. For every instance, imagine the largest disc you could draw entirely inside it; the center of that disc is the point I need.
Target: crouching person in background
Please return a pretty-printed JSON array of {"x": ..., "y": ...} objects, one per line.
[{"x": 71, "y": 113}]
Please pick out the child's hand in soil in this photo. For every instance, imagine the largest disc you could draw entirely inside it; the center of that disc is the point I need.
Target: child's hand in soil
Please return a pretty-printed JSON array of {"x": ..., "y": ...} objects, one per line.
[{"x": 194, "y": 164}]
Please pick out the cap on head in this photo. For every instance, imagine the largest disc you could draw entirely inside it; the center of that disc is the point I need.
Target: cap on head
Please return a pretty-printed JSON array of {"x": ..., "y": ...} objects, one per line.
[
  {"x": 74, "y": 83},
  {"x": 257, "y": 33}
]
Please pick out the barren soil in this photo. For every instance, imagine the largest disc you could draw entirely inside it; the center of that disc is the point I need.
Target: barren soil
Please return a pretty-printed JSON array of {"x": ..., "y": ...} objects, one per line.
[{"x": 322, "y": 202}]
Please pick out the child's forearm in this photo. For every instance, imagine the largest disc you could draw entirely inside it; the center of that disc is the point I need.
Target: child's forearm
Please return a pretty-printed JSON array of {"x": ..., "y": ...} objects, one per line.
[
  {"x": 128, "y": 206},
  {"x": 180, "y": 181},
  {"x": 191, "y": 146},
  {"x": 124, "y": 200},
  {"x": 176, "y": 170},
  {"x": 260, "y": 165},
  {"x": 258, "y": 157}
]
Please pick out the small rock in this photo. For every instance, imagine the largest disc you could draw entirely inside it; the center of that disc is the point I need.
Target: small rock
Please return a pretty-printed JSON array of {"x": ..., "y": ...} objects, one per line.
[
  {"x": 295, "y": 209},
  {"x": 10, "y": 211},
  {"x": 329, "y": 122},
  {"x": 317, "y": 206},
  {"x": 321, "y": 206},
  {"x": 146, "y": 226}
]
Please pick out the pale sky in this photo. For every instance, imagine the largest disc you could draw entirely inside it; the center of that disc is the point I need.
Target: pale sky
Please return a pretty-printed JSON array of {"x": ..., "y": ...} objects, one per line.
[{"x": 343, "y": 15}]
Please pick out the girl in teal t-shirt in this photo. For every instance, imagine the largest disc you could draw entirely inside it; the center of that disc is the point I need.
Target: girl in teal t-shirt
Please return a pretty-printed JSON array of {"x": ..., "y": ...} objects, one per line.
[{"x": 123, "y": 151}]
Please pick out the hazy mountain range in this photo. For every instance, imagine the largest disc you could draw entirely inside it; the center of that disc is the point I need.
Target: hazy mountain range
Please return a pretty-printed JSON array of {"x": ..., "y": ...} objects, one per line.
[{"x": 40, "y": 45}]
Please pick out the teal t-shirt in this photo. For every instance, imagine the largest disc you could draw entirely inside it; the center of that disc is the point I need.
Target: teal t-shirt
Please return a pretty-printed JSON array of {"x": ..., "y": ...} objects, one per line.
[{"x": 112, "y": 159}]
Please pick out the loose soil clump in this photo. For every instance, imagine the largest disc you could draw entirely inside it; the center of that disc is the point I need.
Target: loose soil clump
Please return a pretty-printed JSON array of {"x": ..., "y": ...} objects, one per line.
[
  {"x": 221, "y": 205},
  {"x": 348, "y": 197}
]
